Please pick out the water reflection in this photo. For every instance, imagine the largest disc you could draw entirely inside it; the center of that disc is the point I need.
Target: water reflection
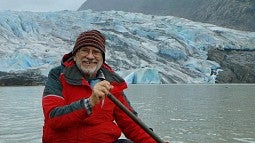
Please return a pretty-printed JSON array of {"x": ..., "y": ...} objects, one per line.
[{"x": 178, "y": 113}]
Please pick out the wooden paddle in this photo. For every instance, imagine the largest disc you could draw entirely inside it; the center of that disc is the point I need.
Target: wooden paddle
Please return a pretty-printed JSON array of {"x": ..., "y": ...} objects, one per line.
[{"x": 135, "y": 118}]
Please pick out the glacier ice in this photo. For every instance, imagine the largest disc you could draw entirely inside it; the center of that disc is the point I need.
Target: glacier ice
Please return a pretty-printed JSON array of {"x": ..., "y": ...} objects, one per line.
[{"x": 141, "y": 48}]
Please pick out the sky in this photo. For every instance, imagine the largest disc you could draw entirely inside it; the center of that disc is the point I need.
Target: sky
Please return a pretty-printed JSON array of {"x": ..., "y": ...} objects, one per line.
[{"x": 40, "y": 5}]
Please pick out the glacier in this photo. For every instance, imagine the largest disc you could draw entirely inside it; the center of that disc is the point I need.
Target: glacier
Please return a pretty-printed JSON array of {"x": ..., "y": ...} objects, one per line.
[{"x": 141, "y": 48}]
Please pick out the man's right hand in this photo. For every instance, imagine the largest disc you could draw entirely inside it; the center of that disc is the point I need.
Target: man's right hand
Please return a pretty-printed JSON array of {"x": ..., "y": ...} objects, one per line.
[{"x": 99, "y": 92}]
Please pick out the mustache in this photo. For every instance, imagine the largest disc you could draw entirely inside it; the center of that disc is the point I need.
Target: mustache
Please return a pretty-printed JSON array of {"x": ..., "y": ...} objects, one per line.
[{"x": 89, "y": 60}]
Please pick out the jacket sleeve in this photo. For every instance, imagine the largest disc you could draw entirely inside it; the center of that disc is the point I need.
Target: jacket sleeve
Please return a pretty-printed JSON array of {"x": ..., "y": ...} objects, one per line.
[
  {"x": 56, "y": 113},
  {"x": 130, "y": 129}
]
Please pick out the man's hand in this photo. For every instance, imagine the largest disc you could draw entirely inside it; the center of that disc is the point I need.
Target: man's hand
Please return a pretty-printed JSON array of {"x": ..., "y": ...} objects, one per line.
[{"x": 100, "y": 91}]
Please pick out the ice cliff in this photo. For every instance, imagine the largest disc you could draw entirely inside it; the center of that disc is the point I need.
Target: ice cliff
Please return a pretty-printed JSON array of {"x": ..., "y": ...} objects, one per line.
[{"x": 141, "y": 48}]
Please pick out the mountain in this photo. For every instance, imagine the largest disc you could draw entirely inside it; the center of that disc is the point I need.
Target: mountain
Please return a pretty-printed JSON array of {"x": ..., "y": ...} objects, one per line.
[
  {"x": 235, "y": 14},
  {"x": 141, "y": 48}
]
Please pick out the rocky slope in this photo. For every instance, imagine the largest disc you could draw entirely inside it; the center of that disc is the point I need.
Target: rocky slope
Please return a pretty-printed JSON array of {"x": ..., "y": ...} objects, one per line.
[
  {"x": 235, "y": 14},
  {"x": 238, "y": 65}
]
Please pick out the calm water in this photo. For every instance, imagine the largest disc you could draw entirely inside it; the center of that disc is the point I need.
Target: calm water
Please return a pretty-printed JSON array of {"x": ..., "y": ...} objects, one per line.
[{"x": 177, "y": 113}]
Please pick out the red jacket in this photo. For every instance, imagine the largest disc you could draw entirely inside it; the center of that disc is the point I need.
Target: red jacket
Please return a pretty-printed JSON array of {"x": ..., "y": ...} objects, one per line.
[{"x": 66, "y": 119}]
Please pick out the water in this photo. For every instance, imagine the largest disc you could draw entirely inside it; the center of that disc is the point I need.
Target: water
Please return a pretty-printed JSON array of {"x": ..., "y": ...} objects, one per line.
[
  {"x": 20, "y": 114},
  {"x": 177, "y": 113}
]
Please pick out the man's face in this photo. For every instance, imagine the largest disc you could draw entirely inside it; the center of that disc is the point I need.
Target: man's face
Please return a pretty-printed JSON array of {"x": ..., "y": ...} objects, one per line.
[{"x": 89, "y": 60}]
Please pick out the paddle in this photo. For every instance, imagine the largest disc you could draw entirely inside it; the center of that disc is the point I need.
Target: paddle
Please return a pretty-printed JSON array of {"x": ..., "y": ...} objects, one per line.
[{"x": 135, "y": 119}]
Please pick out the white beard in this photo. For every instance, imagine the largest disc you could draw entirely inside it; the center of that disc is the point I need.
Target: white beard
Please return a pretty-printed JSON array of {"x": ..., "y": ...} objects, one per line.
[{"x": 89, "y": 71}]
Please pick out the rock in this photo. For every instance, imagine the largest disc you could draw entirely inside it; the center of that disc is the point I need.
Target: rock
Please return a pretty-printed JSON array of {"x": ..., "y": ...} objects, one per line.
[
  {"x": 22, "y": 78},
  {"x": 238, "y": 65}
]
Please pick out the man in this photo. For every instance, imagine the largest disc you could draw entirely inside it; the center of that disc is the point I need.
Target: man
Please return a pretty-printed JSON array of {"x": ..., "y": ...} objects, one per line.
[{"x": 75, "y": 105}]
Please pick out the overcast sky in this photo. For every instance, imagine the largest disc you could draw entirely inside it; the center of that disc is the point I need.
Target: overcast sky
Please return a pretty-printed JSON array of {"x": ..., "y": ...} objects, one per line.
[{"x": 40, "y": 5}]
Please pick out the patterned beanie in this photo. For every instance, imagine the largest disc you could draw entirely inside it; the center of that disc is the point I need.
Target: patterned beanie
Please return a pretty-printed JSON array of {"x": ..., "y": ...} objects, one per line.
[{"x": 90, "y": 38}]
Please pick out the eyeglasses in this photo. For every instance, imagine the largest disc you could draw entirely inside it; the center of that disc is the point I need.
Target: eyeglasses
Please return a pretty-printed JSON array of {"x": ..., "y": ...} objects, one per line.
[{"x": 86, "y": 51}]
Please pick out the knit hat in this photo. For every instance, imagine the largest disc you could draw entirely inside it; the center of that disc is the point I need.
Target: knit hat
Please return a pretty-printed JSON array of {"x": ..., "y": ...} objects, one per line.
[{"x": 90, "y": 38}]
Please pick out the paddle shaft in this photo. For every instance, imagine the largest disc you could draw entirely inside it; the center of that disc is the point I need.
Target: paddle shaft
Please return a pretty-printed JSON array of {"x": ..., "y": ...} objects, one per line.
[{"x": 134, "y": 118}]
